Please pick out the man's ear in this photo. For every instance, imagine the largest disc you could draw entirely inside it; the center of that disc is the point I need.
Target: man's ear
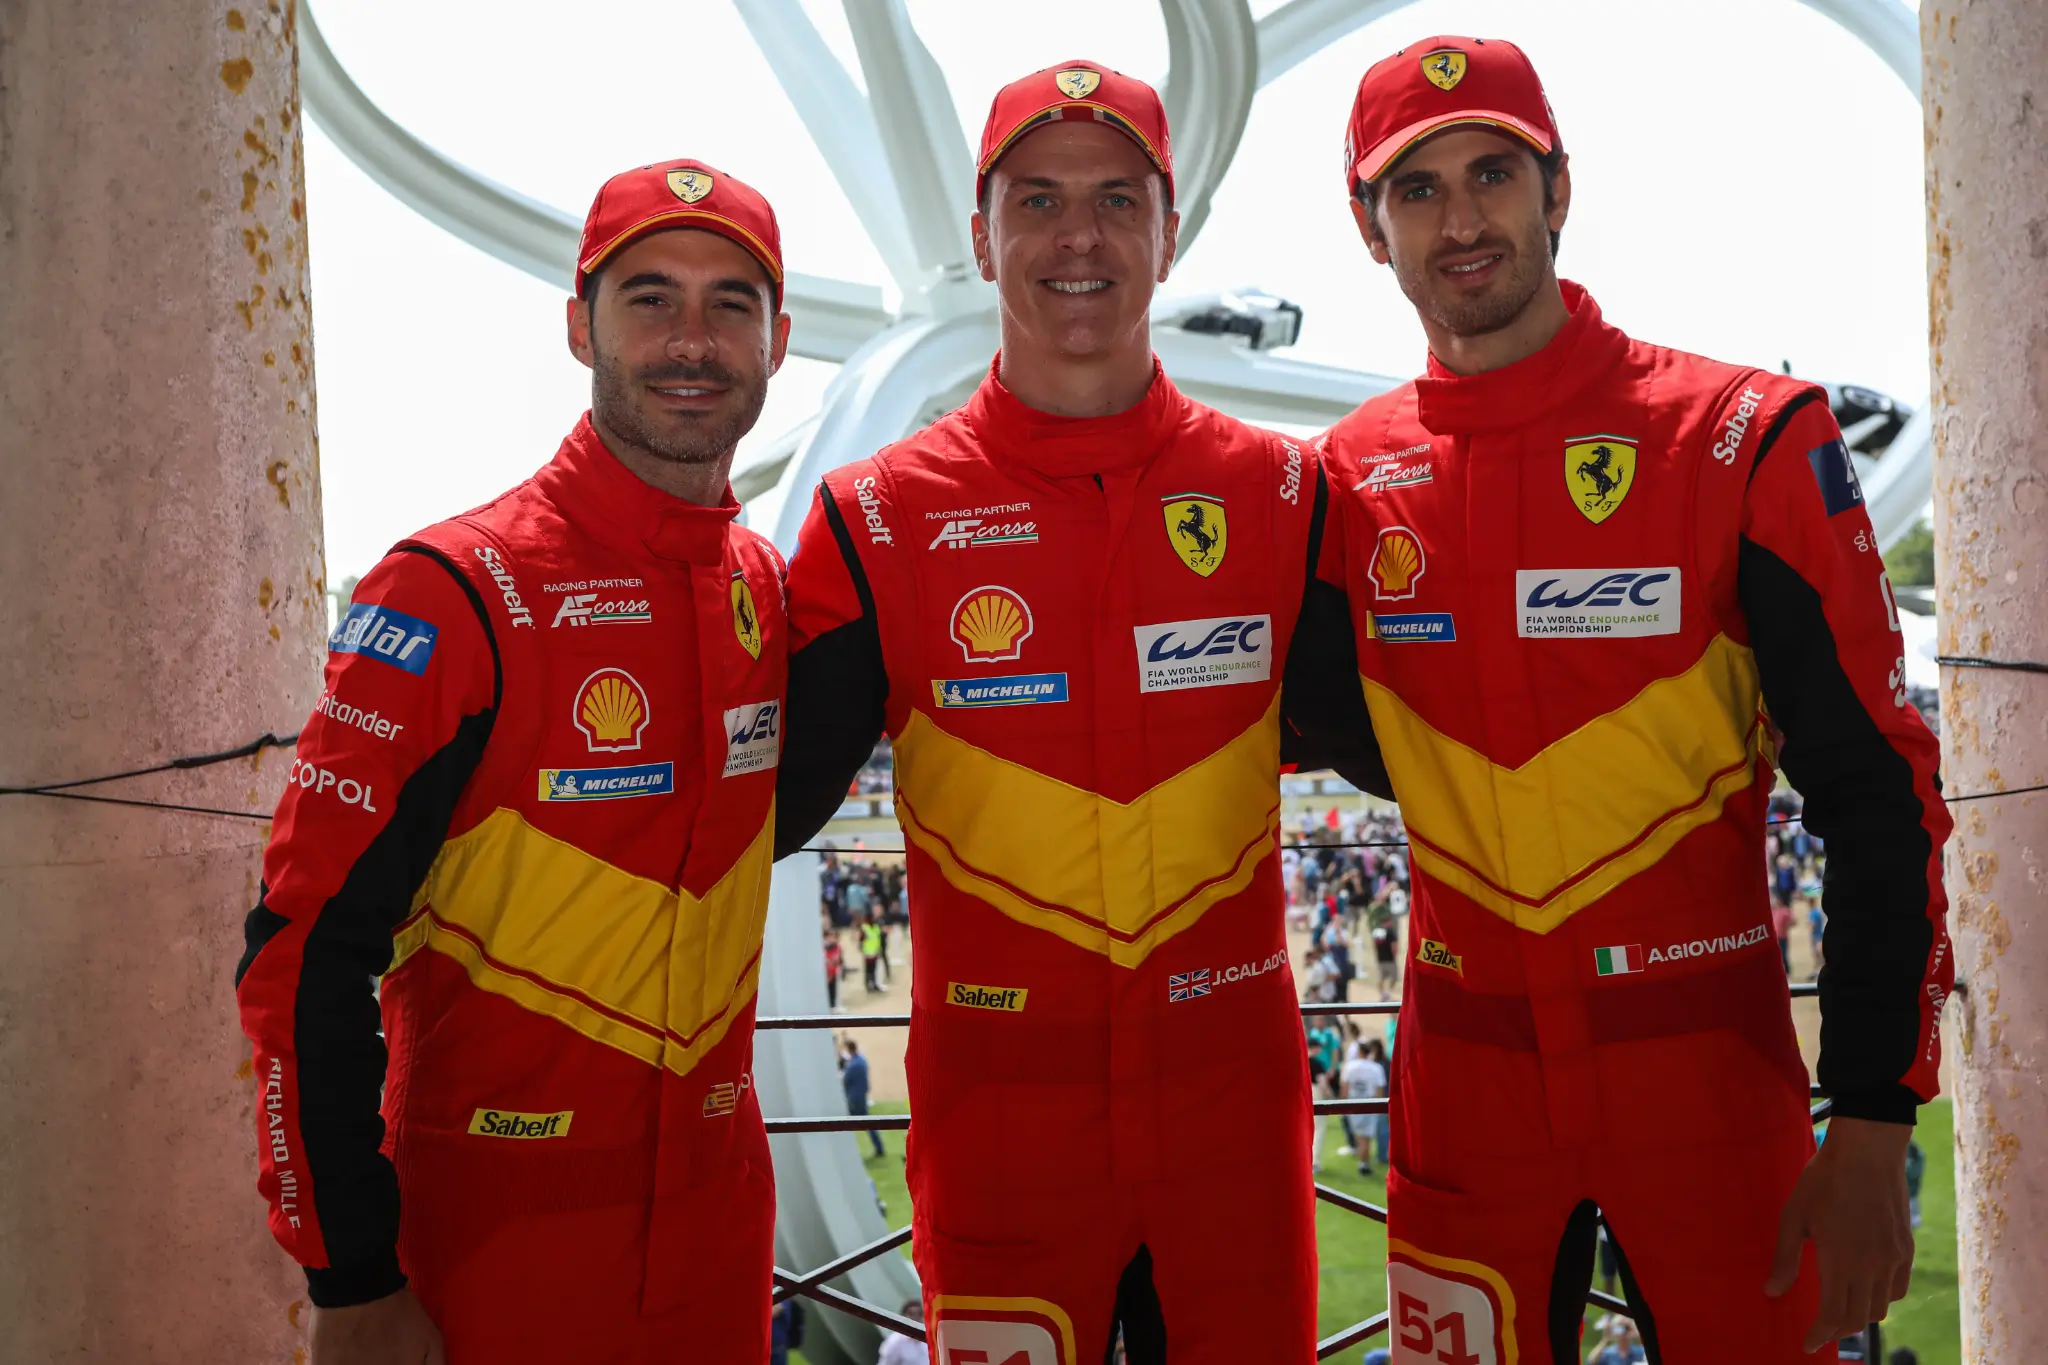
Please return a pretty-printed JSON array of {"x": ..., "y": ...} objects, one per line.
[
  {"x": 984, "y": 254},
  {"x": 1361, "y": 213},
  {"x": 1172, "y": 244},
  {"x": 1560, "y": 194},
  {"x": 579, "y": 333},
  {"x": 778, "y": 342}
]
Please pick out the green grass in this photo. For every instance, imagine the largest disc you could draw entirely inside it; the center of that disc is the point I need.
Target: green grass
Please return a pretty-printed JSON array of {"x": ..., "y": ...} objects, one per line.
[{"x": 1354, "y": 1249}]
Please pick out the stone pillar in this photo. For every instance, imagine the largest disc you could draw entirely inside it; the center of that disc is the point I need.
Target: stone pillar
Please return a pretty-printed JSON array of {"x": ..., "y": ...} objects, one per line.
[
  {"x": 1986, "y": 103},
  {"x": 161, "y": 594}
]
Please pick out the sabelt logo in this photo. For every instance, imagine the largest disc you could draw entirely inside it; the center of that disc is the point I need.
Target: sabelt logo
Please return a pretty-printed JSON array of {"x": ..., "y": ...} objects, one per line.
[
  {"x": 1596, "y": 603},
  {"x": 1008, "y": 999},
  {"x": 1290, "y": 475},
  {"x": 1736, "y": 429},
  {"x": 1436, "y": 955},
  {"x": 508, "y": 587},
  {"x": 871, "y": 511},
  {"x": 504, "y": 1123}
]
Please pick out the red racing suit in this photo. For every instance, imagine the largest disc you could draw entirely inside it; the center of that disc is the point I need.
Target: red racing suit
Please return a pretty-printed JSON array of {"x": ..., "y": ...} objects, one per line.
[
  {"x": 1076, "y": 631},
  {"x": 536, "y": 799},
  {"x": 1597, "y": 595}
]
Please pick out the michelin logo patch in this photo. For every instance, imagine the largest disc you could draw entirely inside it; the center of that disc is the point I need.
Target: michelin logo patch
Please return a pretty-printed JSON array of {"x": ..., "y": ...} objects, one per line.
[
  {"x": 1597, "y": 603},
  {"x": 1427, "y": 626},
  {"x": 1214, "y": 652},
  {"x": 753, "y": 737},
  {"x": 385, "y": 635},
  {"x": 1015, "y": 689},
  {"x": 607, "y": 784}
]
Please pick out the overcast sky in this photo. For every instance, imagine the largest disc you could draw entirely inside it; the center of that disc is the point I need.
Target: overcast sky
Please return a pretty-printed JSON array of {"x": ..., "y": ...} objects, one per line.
[{"x": 1747, "y": 183}]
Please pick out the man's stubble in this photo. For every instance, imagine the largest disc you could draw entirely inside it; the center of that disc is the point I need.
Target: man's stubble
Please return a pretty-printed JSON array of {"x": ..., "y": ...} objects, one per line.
[
  {"x": 1529, "y": 261},
  {"x": 681, "y": 442}
]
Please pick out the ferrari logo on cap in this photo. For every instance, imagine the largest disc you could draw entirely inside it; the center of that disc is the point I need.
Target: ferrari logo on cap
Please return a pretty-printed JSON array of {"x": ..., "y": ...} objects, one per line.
[
  {"x": 746, "y": 622},
  {"x": 1598, "y": 471},
  {"x": 1445, "y": 68},
  {"x": 1196, "y": 527},
  {"x": 690, "y": 186},
  {"x": 1077, "y": 83}
]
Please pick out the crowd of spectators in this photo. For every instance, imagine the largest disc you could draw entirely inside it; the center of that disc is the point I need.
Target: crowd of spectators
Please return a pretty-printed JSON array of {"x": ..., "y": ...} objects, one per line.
[{"x": 866, "y": 903}]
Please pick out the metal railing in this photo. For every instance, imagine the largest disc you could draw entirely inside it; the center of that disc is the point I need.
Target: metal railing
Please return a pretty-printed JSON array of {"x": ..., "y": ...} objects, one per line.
[{"x": 813, "y": 1284}]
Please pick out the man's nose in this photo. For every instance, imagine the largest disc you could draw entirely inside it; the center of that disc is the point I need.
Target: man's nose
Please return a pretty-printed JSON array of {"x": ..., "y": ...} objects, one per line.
[
  {"x": 692, "y": 339},
  {"x": 1464, "y": 220}
]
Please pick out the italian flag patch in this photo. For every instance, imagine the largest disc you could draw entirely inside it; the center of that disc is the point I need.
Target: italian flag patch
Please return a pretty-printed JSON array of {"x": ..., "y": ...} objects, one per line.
[{"x": 1618, "y": 961}]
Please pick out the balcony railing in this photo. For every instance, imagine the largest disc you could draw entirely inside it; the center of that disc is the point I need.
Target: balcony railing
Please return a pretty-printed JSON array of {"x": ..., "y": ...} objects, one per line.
[{"x": 814, "y": 1284}]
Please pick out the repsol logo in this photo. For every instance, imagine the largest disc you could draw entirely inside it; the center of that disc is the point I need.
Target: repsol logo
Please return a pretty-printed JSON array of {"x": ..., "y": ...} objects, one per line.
[
  {"x": 504, "y": 1123},
  {"x": 320, "y": 781},
  {"x": 1009, "y": 999}
]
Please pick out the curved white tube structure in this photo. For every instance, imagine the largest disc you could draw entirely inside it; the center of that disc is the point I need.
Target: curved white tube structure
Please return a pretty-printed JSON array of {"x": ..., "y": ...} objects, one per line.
[{"x": 903, "y": 159}]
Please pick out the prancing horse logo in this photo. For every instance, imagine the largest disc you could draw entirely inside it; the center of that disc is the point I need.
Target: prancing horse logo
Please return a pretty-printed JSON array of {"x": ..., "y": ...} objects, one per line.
[{"x": 1198, "y": 530}]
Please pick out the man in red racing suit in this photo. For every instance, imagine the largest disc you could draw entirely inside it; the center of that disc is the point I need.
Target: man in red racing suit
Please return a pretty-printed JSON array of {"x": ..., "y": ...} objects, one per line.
[
  {"x": 1075, "y": 629},
  {"x": 536, "y": 799},
  {"x": 1600, "y": 589}
]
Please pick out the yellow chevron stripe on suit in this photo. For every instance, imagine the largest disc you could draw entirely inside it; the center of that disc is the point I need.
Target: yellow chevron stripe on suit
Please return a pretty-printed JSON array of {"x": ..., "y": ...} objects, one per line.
[
  {"x": 1537, "y": 843},
  {"x": 630, "y": 963},
  {"x": 1113, "y": 877}
]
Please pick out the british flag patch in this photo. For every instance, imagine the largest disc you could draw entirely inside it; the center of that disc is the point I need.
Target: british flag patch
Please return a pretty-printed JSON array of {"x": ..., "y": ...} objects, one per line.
[{"x": 1187, "y": 985}]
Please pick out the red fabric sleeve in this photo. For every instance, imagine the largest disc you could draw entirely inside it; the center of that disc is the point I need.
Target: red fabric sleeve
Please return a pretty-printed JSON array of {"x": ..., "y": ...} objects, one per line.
[
  {"x": 411, "y": 685},
  {"x": 1824, "y": 625},
  {"x": 822, "y": 592}
]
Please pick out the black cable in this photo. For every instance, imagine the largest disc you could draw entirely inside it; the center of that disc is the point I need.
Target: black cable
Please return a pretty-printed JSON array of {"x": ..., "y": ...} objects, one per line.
[
  {"x": 257, "y": 745},
  {"x": 2016, "y": 665}
]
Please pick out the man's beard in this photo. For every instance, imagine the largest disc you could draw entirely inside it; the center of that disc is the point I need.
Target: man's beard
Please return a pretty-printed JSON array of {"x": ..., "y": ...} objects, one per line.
[
  {"x": 1525, "y": 262},
  {"x": 613, "y": 395}
]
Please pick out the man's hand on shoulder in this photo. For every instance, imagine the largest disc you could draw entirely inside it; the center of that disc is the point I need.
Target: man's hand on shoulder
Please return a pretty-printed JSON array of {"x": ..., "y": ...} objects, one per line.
[
  {"x": 1850, "y": 1202},
  {"x": 393, "y": 1330}
]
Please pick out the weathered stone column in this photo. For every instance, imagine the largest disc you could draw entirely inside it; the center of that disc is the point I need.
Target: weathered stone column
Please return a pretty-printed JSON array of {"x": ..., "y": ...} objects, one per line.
[
  {"x": 161, "y": 594},
  {"x": 1986, "y": 102}
]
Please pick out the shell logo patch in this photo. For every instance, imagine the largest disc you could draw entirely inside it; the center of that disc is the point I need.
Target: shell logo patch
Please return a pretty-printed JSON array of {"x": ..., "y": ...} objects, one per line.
[
  {"x": 611, "y": 710},
  {"x": 1599, "y": 470},
  {"x": 690, "y": 186},
  {"x": 1197, "y": 529},
  {"x": 991, "y": 624},
  {"x": 746, "y": 622},
  {"x": 1077, "y": 83},
  {"x": 1444, "y": 67},
  {"x": 1397, "y": 563}
]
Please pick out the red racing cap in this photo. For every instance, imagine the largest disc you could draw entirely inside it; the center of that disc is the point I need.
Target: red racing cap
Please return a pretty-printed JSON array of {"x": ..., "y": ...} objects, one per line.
[
  {"x": 1436, "y": 84},
  {"x": 679, "y": 194},
  {"x": 1075, "y": 90}
]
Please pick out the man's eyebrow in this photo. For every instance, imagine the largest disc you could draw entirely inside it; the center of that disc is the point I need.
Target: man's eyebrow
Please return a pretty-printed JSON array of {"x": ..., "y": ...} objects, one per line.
[
  {"x": 646, "y": 278},
  {"x": 733, "y": 284},
  {"x": 1418, "y": 176},
  {"x": 1492, "y": 160}
]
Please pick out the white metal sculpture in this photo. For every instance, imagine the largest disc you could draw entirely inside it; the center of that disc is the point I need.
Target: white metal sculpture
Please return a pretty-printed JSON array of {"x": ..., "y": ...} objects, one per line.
[{"x": 902, "y": 157}]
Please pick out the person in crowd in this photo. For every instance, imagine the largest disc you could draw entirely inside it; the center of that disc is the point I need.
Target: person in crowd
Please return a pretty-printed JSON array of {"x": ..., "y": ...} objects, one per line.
[
  {"x": 853, "y": 1080},
  {"x": 1364, "y": 1077},
  {"x": 835, "y": 966},
  {"x": 456, "y": 854},
  {"x": 1781, "y": 930},
  {"x": 1386, "y": 953},
  {"x": 955, "y": 591},
  {"x": 871, "y": 954},
  {"x": 898, "y": 1349},
  {"x": 1615, "y": 1341},
  {"x": 1600, "y": 590},
  {"x": 786, "y": 1331}
]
